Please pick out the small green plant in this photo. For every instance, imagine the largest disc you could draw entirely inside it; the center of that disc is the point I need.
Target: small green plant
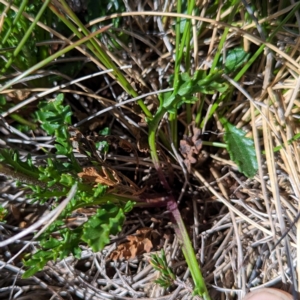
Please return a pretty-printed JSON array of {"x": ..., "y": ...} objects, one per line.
[
  {"x": 186, "y": 88},
  {"x": 58, "y": 241},
  {"x": 53, "y": 180},
  {"x": 159, "y": 263}
]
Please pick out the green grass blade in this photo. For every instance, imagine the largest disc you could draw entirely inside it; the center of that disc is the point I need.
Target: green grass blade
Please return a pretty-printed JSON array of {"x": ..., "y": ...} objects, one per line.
[
  {"x": 27, "y": 35},
  {"x": 100, "y": 53},
  {"x": 223, "y": 39},
  {"x": 15, "y": 21},
  {"x": 50, "y": 59}
]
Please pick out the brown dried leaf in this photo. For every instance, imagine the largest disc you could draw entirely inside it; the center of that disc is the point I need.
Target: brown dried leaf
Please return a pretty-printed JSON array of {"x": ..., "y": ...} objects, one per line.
[
  {"x": 91, "y": 176},
  {"x": 190, "y": 147},
  {"x": 105, "y": 174},
  {"x": 136, "y": 245},
  {"x": 18, "y": 95}
]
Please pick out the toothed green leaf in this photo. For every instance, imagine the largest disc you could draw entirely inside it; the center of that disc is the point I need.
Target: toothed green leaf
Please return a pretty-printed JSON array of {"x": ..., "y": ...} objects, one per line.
[
  {"x": 108, "y": 220},
  {"x": 241, "y": 149}
]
